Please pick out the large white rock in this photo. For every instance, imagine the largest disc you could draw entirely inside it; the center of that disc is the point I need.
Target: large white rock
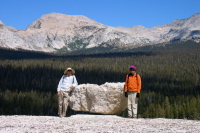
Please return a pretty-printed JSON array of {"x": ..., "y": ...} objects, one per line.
[{"x": 104, "y": 99}]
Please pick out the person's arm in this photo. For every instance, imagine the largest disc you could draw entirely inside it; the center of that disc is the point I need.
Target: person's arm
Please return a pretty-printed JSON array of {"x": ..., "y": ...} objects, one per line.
[
  {"x": 59, "y": 86},
  {"x": 75, "y": 83},
  {"x": 139, "y": 83}
]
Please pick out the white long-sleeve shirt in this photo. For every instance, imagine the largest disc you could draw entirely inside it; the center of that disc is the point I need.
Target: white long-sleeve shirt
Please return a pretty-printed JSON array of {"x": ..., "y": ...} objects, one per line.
[{"x": 67, "y": 81}]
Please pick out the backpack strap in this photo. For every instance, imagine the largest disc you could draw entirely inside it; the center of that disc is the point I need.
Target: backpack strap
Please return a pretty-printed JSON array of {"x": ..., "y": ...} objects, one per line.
[
  {"x": 65, "y": 76},
  {"x": 130, "y": 75}
]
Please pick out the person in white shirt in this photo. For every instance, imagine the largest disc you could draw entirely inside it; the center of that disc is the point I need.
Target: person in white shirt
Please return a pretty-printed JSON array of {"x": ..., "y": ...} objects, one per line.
[{"x": 67, "y": 83}]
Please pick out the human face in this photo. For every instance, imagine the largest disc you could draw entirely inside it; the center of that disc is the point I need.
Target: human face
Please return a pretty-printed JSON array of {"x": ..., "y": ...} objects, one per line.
[
  {"x": 132, "y": 70},
  {"x": 69, "y": 72}
]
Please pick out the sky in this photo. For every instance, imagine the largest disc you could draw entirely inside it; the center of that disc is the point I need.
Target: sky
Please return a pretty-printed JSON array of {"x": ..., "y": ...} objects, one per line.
[{"x": 126, "y": 13}]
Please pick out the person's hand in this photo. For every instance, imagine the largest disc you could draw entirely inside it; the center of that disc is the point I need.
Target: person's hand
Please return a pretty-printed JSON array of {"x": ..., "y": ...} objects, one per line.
[
  {"x": 138, "y": 95},
  {"x": 126, "y": 94},
  {"x": 71, "y": 87},
  {"x": 59, "y": 93}
]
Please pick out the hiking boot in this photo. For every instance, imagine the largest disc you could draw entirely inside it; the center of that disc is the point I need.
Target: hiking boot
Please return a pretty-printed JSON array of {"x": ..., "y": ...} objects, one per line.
[{"x": 135, "y": 116}]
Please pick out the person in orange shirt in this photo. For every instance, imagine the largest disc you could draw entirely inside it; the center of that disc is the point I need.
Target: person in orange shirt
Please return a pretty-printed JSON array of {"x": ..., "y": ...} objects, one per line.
[{"x": 132, "y": 91}]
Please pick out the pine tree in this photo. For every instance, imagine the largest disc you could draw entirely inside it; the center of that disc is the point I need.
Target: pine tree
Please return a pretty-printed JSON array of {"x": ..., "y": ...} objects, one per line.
[{"x": 167, "y": 108}]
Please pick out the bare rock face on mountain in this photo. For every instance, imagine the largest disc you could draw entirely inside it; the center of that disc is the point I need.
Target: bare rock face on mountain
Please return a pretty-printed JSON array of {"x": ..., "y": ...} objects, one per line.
[
  {"x": 56, "y": 31},
  {"x": 9, "y": 38},
  {"x": 1, "y": 23},
  {"x": 104, "y": 99}
]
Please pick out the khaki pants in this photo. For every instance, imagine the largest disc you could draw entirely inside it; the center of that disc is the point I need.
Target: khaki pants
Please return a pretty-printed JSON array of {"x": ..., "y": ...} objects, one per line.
[
  {"x": 63, "y": 103},
  {"x": 132, "y": 104}
]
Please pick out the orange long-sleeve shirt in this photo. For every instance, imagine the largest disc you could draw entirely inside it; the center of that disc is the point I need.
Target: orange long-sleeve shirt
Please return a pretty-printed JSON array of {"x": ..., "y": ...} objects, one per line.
[{"x": 133, "y": 83}]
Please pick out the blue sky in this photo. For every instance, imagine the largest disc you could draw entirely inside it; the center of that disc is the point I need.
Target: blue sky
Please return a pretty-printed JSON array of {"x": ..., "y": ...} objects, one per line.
[{"x": 126, "y": 13}]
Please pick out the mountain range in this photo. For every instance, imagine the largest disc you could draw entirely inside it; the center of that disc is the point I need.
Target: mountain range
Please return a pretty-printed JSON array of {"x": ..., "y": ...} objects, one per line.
[{"x": 57, "y": 32}]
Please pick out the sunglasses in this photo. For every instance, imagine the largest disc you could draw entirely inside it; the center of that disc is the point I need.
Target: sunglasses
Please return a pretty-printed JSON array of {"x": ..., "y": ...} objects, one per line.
[
  {"x": 69, "y": 70},
  {"x": 132, "y": 69}
]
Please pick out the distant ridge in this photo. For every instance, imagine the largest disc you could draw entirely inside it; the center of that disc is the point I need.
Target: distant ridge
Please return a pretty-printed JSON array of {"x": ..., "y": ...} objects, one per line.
[
  {"x": 188, "y": 46},
  {"x": 62, "y": 33}
]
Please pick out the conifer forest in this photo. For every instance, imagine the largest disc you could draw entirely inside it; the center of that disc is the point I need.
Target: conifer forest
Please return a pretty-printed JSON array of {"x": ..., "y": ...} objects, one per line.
[{"x": 170, "y": 80}]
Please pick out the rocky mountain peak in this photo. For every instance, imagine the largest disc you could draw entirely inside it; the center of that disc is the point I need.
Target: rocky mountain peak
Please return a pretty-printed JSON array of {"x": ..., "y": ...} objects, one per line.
[
  {"x": 191, "y": 23},
  {"x": 59, "y": 20},
  {"x": 195, "y": 16},
  {"x": 1, "y": 23},
  {"x": 60, "y": 16},
  {"x": 12, "y": 29}
]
